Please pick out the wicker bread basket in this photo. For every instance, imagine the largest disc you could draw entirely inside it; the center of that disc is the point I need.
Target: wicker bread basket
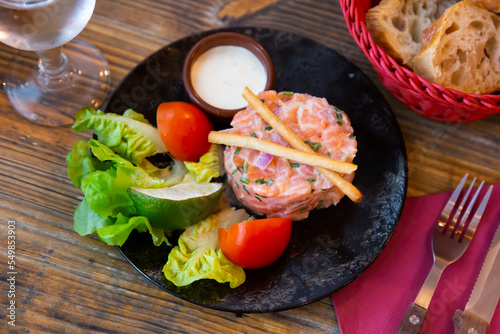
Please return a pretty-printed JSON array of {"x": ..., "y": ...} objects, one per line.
[{"x": 430, "y": 100}]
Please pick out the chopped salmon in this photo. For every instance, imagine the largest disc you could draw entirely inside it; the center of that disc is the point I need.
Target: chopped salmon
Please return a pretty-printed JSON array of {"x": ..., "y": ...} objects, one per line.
[{"x": 277, "y": 187}]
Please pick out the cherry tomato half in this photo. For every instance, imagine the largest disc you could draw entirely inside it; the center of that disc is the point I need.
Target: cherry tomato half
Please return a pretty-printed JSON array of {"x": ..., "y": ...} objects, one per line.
[
  {"x": 184, "y": 129},
  {"x": 256, "y": 243}
]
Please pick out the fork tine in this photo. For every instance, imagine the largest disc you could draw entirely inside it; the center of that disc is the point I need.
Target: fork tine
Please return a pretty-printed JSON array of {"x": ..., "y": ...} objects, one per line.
[
  {"x": 445, "y": 214},
  {"x": 467, "y": 212},
  {"x": 469, "y": 233},
  {"x": 454, "y": 220}
]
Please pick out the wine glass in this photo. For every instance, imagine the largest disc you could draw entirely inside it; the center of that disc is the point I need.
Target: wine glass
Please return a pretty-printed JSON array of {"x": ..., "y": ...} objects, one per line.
[{"x": 50, "y": 86}]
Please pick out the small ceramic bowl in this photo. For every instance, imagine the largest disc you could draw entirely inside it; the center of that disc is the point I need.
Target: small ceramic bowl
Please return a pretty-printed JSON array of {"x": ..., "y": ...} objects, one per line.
[{"x": 220, "y": 39}]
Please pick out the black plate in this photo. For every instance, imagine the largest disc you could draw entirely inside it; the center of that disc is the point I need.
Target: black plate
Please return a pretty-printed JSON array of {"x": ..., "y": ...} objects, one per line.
[{"x": 333, "y": 246}]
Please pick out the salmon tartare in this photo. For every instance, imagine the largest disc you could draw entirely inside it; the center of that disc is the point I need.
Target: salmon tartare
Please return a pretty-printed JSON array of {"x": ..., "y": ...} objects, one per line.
[{"x": 274, "y": 186}]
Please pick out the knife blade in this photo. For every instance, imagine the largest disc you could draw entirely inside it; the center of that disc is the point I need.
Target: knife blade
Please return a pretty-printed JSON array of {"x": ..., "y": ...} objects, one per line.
[{"x": 476, "y": 316}]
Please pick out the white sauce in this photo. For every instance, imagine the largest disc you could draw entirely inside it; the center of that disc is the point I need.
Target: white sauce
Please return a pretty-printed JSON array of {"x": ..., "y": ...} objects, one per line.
[{"x": 220, "y": 74}]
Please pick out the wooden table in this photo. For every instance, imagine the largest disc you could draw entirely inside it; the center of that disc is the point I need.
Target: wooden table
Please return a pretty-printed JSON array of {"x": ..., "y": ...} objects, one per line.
[{"x": 70, "y": 284}]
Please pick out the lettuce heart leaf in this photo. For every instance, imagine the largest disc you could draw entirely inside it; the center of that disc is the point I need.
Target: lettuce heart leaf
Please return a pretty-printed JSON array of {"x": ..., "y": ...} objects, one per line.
[
  {"x": 129, "y": 135},
  {"x": 198, "y": 255},
  {"x": 209, "y": 166}
]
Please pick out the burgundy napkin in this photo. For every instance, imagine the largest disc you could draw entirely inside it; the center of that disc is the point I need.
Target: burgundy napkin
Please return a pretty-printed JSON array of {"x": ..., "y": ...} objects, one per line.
[{"x": 377, "y": 300}]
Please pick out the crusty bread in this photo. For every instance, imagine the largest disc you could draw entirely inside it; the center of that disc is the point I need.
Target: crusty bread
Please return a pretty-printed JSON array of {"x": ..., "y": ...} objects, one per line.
[
  {"x": 396, "y": 25},
  {"x": 493, "y": 5},
  {"x": 461, "y": 50}
]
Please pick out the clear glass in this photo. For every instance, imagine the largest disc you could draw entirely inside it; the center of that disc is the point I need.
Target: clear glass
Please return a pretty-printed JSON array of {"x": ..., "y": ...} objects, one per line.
[{"x": 49, "y": 85}]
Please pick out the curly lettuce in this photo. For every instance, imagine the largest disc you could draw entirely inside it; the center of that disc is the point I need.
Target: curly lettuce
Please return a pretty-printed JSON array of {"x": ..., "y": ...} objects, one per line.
[
  {"x": 129, "y": 135},
  {"x": 198, "y": 256},
  {"x": 209, "y": 166}
]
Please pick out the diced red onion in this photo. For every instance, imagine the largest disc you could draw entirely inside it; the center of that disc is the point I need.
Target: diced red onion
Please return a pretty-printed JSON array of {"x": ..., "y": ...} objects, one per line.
[{"x": 263, "y": 160}]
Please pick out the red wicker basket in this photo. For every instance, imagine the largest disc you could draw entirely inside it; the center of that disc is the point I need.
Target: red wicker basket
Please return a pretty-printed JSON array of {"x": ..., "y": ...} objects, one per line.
[{"x": 430, "y": 100}]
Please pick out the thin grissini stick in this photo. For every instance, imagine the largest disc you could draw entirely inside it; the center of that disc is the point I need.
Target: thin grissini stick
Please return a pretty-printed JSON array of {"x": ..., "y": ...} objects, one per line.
[
  {"x": 346, "y": 187},
  {"x": 307, "y": 158}
]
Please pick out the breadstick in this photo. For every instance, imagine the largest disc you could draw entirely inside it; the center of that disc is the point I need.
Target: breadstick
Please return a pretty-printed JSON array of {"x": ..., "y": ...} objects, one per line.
[{"x": 280, "y": 151}]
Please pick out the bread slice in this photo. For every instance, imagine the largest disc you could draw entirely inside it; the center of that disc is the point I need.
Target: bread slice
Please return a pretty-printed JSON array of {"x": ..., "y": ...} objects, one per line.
[
  {"x": 461, "y": 50},
  {"x": 493, "y": 5},
  {"x": 396, "y": 25}
]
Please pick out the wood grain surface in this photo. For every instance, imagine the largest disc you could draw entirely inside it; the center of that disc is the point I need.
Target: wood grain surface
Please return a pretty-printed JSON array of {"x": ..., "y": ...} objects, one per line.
[{"x": 71, "y": 284}]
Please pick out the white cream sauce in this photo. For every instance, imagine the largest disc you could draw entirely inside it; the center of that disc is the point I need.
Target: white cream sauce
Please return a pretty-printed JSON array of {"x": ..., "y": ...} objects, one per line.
[{"x": 220, "y": 74}]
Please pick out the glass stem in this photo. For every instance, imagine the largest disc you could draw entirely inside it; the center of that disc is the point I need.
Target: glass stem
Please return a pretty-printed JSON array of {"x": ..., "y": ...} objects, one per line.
[{"x": 54, "y": 72}]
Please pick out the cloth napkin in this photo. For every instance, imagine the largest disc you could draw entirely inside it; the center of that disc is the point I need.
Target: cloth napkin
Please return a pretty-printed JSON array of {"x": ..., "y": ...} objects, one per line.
[{"x": 377, "y": 300}]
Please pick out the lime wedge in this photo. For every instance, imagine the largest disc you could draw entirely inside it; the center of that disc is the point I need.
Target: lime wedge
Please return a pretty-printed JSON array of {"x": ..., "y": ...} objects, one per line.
[{"x": 176, "y": 207}]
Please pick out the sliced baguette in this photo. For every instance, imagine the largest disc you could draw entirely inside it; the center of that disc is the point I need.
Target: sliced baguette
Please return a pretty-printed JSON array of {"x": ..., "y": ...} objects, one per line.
[
  {"x": 461, "y": 50},
  {"x": 396, "y": 25},
  {"x": 493, "y": 5}
]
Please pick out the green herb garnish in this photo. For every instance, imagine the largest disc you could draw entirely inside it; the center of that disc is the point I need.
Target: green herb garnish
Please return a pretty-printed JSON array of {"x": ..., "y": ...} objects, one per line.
[
  {"x": 238, "y": 149},
  {"x": 260, "y": 181},
  {"x": 294, "y": 165},
  {"x": 246, "y": 190},
  {"x": 316, "y": 146},
  {"x": 245, "y": 169},
  {"x": 244, "y": 180},
  {"x": 287, "y": 93},
  {"x": 268, "y": 128},
  {"x": 339, "y": 123},
  {"x": 310, "y": 180}
]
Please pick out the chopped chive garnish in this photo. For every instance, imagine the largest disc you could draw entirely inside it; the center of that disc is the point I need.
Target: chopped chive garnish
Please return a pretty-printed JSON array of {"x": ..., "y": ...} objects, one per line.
[
  {"x": 234, "y": 171},
  {"x": 310, "y": 180},
  {"x": 294, "y": 165},
  {"x": 246, "y": 190},
  {"x": 339, "y": 123},
  {"x": 268, "y": 128},
  {"x": 316, "y": 146},
  {"x": 339, "y": 115},
  {"x": 254, "y": 135},
  {"x": 260, "y": 195},
  {"x": 352, "y": 137},
  {"x": 238, "y": 149},
  {"x": 262, "y": 100},
  {"x": 260, "y": 181},
  {"x": 307, "y": 142},
  {"x": 329, "y": 154},
  {"x": 238, "y": 185},
  {"x": 245, "y": 169},
  {"x": 244, "y": 180},
  {"x": 270, "y": 182},
  {"x": 287, "y": 93},
  {"x": 258, "y": 199},
  {"x": 303, "y": 209}
]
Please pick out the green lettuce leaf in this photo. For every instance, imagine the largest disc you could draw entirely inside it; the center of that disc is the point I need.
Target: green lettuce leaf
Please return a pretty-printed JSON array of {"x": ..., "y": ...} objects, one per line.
[
  {"x": 113, "y": 231},
  {"x": 129, "y": 135},
  {"x": 118, "y": 233},
  {"x": 86, "y": 221},
  {"x": 106, "y": 190},
  {"x": 198, "y": 255},
  {"x": 209, "y": 166}
]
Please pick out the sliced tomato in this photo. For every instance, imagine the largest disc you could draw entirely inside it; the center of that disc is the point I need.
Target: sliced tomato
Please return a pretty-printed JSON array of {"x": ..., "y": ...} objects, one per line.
[
  {"x": 184, "y": 129},
  {"x": 256, "y": 243}
]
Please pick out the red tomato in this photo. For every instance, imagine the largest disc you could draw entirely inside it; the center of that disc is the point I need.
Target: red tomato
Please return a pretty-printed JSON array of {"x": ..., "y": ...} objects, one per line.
[
  {"x": 256, "y": 243},
  {"x": 184, "y": 129}
]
